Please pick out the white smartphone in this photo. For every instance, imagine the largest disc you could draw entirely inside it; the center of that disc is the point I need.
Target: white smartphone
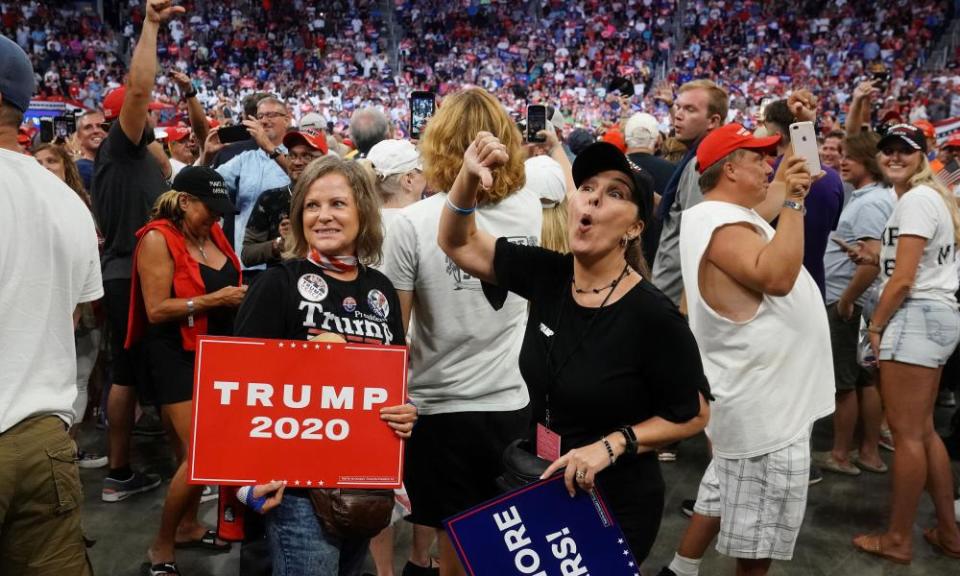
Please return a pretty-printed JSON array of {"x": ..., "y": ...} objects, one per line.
[{"x": 803, "y": 138}]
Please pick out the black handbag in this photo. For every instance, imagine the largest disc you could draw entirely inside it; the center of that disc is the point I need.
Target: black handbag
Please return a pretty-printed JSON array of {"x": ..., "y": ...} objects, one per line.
[{"x": 521, "y": 466}]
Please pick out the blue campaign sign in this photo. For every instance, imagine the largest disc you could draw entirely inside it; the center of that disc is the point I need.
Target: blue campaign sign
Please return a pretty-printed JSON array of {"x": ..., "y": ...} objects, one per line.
[{"x": 539, "y": 530}]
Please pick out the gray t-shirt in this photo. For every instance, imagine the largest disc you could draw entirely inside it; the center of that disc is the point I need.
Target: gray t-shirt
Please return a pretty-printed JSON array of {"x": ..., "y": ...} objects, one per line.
[
  {"x": 666, "y": 268},
  {"x": 464, "y": 355},
  {"x": 863, "y": 218}
]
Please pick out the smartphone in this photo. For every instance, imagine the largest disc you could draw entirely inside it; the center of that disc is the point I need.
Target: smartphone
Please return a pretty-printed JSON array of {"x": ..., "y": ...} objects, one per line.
[
  {"x": 60, "y": 129},
  {"x": 71, "y": 122},
  {"x": 230, "y": 134},
  {"x": 46, "y": 130},
  {"x": 536, "y": 121},
  {"x": 422, "y": 106},
  {"x": 881, "y": 80},
  {"x": 803, "y": 137},
  {"x": 842, "y": 244}
]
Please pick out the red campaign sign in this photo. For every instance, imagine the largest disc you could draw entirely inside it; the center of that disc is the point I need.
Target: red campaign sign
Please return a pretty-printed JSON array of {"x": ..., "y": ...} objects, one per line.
[{"x": 304, "y": 412}]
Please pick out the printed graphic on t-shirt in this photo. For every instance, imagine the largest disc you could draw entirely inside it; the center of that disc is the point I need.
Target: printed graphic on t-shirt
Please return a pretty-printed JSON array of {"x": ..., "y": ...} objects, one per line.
[
  {"x": 464, "y": 281},
  {"x": 355, "y": 326},
  {"x": 946, "y": 253}
]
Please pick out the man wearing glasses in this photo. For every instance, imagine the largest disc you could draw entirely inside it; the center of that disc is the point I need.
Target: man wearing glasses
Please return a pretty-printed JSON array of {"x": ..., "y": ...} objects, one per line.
[
  {"x": 251, "y": 173},
  {"x": 269, "y": 225}
]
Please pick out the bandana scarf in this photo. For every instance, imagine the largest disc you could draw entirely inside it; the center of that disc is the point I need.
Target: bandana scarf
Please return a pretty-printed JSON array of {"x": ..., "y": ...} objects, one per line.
[{"x": 333, "y": 263}]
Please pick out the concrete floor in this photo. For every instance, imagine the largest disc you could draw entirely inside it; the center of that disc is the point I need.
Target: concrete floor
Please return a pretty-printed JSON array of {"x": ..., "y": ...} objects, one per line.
[{"x": 838, "y": 508}]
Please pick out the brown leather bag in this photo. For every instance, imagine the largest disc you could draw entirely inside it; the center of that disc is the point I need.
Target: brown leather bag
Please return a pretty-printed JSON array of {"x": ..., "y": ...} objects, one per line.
[{"x": 351, "y": 513}]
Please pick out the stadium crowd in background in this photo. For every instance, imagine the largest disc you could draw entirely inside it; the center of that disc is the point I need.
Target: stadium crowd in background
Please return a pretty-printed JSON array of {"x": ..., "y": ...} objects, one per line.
[{"x": 235, "y": 143}]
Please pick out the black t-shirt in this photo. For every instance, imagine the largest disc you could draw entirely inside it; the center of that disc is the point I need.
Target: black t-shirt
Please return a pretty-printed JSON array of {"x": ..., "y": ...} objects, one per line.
[
  {"x": 297, "y": 300},
  {"x": 608, "y": 368},
  {"x": 127, "y": 180}
]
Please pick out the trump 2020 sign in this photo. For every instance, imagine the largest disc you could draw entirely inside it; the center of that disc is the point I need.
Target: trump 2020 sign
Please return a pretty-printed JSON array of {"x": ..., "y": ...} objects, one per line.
[{"x": 307, "y": 413}]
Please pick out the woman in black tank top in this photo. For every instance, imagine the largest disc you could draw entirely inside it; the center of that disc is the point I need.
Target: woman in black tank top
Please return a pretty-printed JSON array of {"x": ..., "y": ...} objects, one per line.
[{"x": 186, "y": 281}]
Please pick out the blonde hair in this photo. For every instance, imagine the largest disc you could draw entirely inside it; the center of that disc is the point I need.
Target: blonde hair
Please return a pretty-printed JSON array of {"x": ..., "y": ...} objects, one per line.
[
  {"x": 718, "y": 101},
  {"x": 453, "y": 129},
  {"x": 925, "y": 177},
  {"x": 553, "y": 234},
  {"x": 369, "y": 240},
  {"x": 167, "y": 207}
]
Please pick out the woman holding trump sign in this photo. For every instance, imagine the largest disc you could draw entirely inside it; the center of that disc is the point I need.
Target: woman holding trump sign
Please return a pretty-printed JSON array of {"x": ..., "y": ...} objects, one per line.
[
  {"x": 325, "y": 290},
  {"x": 611, "y": 366}
]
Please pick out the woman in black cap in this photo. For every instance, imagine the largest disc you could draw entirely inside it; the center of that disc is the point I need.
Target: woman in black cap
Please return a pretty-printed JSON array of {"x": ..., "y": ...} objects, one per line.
[
  {"x": 611, "y": 366},
  {"x": 914, "y": 329},
  {"x": 186, "y": 283}
]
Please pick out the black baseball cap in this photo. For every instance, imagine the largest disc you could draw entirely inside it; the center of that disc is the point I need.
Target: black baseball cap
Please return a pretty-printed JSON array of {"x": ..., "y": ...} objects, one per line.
[
  {"x": 207, "y": 185},
  {"x": 602, "y": 156},
  {"x": 906, "y": 133}
]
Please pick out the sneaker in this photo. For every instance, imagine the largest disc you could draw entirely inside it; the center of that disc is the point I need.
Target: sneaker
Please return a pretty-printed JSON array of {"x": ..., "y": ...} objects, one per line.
[
  {"x": 667, "y": 455},
  {"x": 816, "y": 475},
  {"x": 666, "y": 571},
  {"x": 686, "y": 508},
  {"x": 209, "y": 493},
  {"x": 946, "y": 398},
  {"x": 886, "y": 439},
  {"x": 88, "y": 460},
  {"x": 117, "y": 490}
]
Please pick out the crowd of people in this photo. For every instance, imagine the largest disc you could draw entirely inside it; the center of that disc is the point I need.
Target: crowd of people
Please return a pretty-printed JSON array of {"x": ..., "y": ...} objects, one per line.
[
  {"x": 662, "y": 259},
  {"x": 336, "y": 59}
]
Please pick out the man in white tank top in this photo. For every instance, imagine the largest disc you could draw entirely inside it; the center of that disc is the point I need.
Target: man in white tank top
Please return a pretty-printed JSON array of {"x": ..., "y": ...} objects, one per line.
[{"x": 762, "y": 330}]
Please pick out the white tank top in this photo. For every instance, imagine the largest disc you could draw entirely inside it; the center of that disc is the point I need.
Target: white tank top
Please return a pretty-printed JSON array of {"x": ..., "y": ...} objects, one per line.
[{"x": 772, "y": 375}]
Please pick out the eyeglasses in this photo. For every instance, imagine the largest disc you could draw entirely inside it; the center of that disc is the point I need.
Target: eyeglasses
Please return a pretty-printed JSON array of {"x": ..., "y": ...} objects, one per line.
[
  {"x": 270, "y": 115},
  {"x": 902, "y": 151},
  {"x": 308, "y": 157}
]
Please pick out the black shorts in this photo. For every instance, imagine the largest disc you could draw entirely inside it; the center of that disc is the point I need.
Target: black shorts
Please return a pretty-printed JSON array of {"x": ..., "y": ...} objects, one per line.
[
  {"x": 170, "y": 368},
  {"x": 453, "y": 461},
  {"x": 116, "y": 302}
]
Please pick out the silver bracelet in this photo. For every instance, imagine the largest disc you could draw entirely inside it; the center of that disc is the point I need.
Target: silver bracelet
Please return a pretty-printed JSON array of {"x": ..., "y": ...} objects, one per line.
[
  {"x": 458, "y": 210},
  {"x": 190, "y": 310}
]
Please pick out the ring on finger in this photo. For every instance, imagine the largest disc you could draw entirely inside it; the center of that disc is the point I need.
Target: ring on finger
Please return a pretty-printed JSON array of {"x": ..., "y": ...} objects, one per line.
[{"x": 581, "y": 475}]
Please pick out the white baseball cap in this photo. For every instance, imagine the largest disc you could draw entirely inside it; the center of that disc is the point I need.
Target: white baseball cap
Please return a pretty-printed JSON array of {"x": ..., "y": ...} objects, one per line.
[
  {"x": 313, "y": 120},
  {"x": 391, "y": 157},
  {"x": 545, "y": 177},
  {"x": 641, "y": 130}
]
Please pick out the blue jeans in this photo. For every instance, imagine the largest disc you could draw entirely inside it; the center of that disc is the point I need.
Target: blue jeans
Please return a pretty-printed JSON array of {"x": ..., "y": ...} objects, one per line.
[{"x": 300, "y": 547}]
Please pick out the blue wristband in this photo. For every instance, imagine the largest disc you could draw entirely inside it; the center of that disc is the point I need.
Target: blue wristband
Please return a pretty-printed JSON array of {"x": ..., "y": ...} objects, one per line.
[
  {"x": 459, "y": 210},
  {"x": 255, "y": 503}
]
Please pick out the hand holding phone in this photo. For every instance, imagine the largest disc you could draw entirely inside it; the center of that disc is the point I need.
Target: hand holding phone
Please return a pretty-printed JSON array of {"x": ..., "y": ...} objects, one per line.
[
  {"x": 231, "y": 134},
  {"x": 422, "y": 106},
  {"x": 536, "y": 122},
  {"x": 803, "y": 138},
  {"x": 849, "y": 249}
]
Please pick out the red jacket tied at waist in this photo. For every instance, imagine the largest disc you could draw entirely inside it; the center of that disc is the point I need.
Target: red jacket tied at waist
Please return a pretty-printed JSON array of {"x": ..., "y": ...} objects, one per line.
[{"x": 187, "y": 282}]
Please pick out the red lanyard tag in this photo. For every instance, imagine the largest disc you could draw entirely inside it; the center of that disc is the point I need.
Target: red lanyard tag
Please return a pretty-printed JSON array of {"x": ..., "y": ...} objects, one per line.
[{"x": 548, "y": 443}]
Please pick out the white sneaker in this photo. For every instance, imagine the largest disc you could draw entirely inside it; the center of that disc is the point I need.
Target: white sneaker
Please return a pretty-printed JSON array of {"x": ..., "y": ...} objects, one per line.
[
  {"x": 209, "y": 493},
  {"x": 87, "y": 460}
]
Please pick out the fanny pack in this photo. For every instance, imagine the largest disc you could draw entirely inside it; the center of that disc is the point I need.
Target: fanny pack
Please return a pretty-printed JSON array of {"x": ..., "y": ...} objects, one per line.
[
  {"x": 521, "y": 466},
  {"x": 352, "y": 513}
]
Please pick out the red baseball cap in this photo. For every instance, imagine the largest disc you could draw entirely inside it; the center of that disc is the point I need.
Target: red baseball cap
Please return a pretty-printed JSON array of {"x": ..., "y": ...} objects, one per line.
[
  {"x": 927, "y": 127},
  {"x": 113, "y": 101},
  {"x": 729, "y": 138},
  {"x": 311, "y": 137},
  {"x": 953, "y": 142},
  {"x": 177, "y": 133},
  {"x": 615, "y": 137}
]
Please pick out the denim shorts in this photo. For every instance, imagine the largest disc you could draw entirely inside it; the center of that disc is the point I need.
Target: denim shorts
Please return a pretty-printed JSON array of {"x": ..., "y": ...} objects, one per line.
[{"x": 921, "y": 332}]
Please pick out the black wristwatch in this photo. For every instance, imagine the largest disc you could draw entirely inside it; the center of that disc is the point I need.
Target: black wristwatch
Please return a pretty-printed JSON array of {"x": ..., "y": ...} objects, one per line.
[
  {"x": 190, "y": 94},
  {"x": 631, "y": 437},
  {"x": 276, "y": 153}
]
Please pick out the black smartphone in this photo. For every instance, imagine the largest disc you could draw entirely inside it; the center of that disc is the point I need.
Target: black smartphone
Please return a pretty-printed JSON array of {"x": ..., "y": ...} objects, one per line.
[
  {"x": 422, "y": 106},
  {"x": 230, "y": 134},
  {"x": 536, "y": 121},
  {"x": 71, "y": 122},
  {"x": 60, "y": 128},
  {"x": 881, "y": 79},
  {"x": 46, "y": 130}
]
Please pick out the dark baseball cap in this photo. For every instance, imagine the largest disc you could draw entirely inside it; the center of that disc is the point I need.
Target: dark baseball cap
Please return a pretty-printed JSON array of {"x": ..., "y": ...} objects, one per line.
[
  {"x": 16, "y": 75},
  {"x": 906, "y": 133},
  {"x": 207, "y": 185},
  {"x": 602, "y": 156}
]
